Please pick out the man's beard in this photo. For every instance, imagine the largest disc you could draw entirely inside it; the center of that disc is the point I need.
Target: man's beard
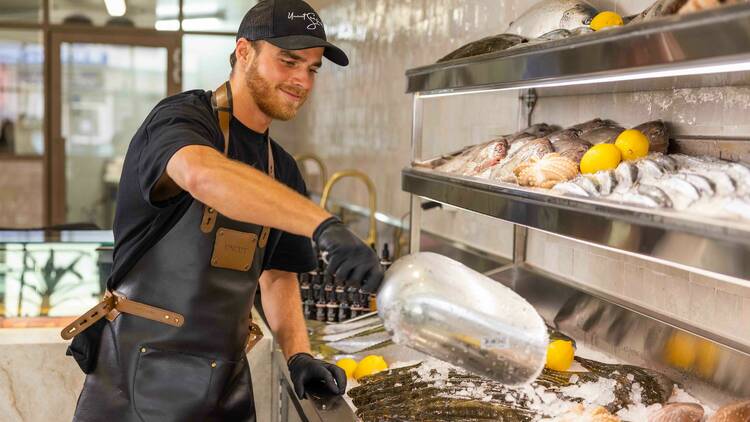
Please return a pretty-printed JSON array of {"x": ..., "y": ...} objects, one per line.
[{"x": 268, "y": 98}]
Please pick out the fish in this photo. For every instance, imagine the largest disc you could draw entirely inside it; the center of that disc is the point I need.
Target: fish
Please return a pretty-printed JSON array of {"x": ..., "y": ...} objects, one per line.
[
  {"x": 723, "y": 184},
  {"x": 573, "y": 149},
  {"x": 649, "y": 169},
  {"x": 634, "y": 198},
  {"x": 569, "y": 133},
  {"x": 538, "y": 130},
  {"x": 703, "y": 184},
  {"x": 549, "y": 15},
  {"x": 503, "y": 171},
  {"x": 655, "y": 193},
  {"x": 605, "y": 181},
  {"x": 659, "y": 9},
  {"x": 570, "y": 188},
  {"x": 593, "y": 124},
  {"x": 666, "y": 162},
  {"x": 476, "y": 159},
  {"x": 486, "y": 45},
  {"x": 546, "y": 172},
  {"x": 626, "y": 174},
  {"x": 486, "y": 157},
  {"x": 738, "y": 172},
  {"x": 602, "y": 135},
  {"x": 658, "y": 135},
  {"x": 678, "y": 412},
  {"x": 681, "y": 193},
  {"x": 736, "y": 412},
  {"x": 586, "y": 184}
]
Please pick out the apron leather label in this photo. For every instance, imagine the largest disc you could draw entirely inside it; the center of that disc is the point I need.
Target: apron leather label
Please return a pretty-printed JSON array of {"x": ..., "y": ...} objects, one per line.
[{"x": 234, "y": 249}]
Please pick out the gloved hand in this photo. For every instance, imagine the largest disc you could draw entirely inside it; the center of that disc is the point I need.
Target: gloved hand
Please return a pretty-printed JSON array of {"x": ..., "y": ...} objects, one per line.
[
  {"x": 349, "y": 259},
  {"x": 310, "y": 375}
]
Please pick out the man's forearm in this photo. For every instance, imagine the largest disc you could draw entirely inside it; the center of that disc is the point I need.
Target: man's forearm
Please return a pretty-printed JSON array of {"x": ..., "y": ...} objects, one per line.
[
  {"x": 243, "y": 193},
  {"x": 283, "y": 308}
]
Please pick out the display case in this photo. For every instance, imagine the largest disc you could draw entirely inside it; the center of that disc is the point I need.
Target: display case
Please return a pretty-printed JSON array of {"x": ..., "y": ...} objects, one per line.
[
  {"x": 50, "y": 277},
  {"x": 701, "y": 51}
]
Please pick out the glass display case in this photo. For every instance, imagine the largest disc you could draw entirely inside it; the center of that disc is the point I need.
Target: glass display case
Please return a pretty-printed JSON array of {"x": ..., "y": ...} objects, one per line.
[{"x": 48, "y": 278}]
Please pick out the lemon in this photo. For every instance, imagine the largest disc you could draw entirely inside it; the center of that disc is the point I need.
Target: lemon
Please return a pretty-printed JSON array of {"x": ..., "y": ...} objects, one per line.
[
  {"x": 606, "y": 20},
  {"x": 370, "y": 365},
  {"x": 707, "y": 358},
  {"x": 348, "y": 365},
  {"x": 681, "y": 350},
  {"x": 600, "y": 157},
  {"x": 560, "y": 355},
  {"x": 633, "y": 144}
]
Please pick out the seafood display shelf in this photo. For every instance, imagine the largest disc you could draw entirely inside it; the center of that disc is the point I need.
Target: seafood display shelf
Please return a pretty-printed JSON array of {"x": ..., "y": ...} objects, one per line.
[
  {"x": 644, "y": 53},
  {"x": 660, "y": 235}
]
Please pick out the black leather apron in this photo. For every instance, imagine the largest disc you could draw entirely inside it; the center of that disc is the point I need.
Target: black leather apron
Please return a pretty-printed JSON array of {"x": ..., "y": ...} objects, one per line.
[{"x": 206, "y": 269}]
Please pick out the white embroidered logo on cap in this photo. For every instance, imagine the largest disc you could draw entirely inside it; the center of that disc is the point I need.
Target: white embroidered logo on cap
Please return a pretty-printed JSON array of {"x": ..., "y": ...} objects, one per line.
[{"x": 310, "y": 17}]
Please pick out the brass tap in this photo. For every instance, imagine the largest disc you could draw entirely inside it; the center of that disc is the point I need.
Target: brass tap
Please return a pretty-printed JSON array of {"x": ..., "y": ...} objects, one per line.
[
  {"x": 300, "y": 158},
  {"x": 372, "y": 236}
]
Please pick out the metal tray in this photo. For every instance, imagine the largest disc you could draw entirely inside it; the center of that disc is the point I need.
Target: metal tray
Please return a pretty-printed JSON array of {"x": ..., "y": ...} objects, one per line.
[{"x": 716, "y": 42}]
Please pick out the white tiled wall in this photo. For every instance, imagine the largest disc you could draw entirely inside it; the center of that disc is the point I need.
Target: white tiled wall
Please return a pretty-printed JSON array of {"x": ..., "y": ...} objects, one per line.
[{"x": 359, "y": 117}]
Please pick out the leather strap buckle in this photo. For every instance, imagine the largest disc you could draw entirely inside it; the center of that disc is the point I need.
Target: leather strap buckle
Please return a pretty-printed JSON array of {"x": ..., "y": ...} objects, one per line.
[
  {"x": 254, "y": 335},
  {"x": 112, "y": 305},
  {"x": 88, "y": 319}
]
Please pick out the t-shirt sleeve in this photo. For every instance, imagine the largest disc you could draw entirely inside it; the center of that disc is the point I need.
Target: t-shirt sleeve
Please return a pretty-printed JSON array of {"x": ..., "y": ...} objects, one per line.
[
  {"x": 169, "y": 130},
  {"x": 293, "y": 253}
]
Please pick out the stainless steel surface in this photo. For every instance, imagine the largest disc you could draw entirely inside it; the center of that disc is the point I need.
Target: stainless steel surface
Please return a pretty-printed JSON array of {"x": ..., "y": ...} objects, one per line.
[
  {"x": 440, "y": 307},
  {"x": 658, "y": 235},
  {"x": 707, "y": 367},
  {"x": 646, "y": 51}
]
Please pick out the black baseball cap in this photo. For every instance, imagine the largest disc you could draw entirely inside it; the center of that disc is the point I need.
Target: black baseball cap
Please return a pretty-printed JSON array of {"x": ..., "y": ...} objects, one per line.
[{"x": 291, "y": 25}]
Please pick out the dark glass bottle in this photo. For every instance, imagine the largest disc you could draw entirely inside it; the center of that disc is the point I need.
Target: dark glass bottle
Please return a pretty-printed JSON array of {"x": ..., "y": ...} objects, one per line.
[
  {"x": 308, "y": 304},
  {"x": 340, "y": 294},
  {"x": 321, "y": 309},
  {"x": 328, "y": 288}
]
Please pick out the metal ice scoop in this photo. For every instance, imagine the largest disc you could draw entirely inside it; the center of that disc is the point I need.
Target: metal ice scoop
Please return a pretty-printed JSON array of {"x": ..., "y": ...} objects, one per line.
[{"x": 442, "y": 308}]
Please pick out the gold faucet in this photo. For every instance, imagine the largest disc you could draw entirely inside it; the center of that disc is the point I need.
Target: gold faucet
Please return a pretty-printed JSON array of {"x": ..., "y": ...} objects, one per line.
[
  {"x": 372, "y": 236},
  {"x": 300, "y": 158}
]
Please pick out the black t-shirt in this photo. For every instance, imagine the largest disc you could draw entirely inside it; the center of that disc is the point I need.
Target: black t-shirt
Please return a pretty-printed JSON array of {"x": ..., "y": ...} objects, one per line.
[{"x": 178, "y": 121}]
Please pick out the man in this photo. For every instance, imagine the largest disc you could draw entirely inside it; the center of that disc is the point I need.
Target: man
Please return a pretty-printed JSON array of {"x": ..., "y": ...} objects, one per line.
[{"x": 192, "y": 241}]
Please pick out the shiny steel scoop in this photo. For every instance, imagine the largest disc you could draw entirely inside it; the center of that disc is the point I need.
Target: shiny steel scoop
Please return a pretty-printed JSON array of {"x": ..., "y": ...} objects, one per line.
[{"x": 440, "y": 307}]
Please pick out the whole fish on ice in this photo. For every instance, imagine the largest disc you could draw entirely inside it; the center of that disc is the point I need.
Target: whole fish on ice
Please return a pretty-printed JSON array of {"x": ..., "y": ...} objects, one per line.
[{"x": 551, "y": 15}]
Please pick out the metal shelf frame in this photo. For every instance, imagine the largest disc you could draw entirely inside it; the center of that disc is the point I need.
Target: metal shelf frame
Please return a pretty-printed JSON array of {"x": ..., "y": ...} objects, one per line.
[
  {"x": 704, "y": 49},
  {"x": 714, "y": 42}
]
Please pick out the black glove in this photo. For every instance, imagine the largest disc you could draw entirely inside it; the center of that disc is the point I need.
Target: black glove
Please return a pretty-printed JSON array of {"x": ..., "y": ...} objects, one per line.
[
  {"x": 313, "y": 376},
  {"x": 349, "y": 259}
]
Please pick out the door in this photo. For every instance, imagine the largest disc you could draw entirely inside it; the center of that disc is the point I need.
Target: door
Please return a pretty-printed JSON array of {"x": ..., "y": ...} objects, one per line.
[{"x": 103, "y": 85}]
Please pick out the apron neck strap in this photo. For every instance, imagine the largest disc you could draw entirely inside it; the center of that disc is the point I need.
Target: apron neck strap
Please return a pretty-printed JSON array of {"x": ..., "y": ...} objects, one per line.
[{"x": 221, "y": 103}]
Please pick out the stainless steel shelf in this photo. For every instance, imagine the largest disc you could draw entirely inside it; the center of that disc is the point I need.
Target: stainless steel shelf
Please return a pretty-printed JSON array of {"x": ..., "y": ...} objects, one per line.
[
  {"x": 666, "y": 236},
  {"x": 671, "y": 45}
]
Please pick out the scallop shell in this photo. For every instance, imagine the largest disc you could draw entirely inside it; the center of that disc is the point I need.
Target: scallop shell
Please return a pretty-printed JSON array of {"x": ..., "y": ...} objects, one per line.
[
  {"x": 737, "y": 412},
  {"x": 678, "y": 412},
  {"x": 547, "y": 171}
]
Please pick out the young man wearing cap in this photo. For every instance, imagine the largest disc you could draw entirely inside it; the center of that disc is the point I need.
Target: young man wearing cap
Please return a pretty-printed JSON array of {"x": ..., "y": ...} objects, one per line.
[{"x": 200, "y": 223}]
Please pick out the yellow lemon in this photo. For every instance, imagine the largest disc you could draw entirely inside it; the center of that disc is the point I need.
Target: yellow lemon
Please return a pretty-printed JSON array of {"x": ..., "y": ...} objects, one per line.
[
  {"x": 370, "y": 365},
  {"x": 560, "y": 355},
  {"x": 605, "y": 20},
  {"x": 707, "y": 358},
  {"x": 633, "y": 144},
  {"x": 600, "y": 157},
  {"x": 681, "y": 350},
  {"x": 348, "y": 365}
]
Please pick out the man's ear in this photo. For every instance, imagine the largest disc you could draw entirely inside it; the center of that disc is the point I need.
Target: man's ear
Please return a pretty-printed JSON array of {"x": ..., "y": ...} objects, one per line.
[{"x": 244, "y": 51}]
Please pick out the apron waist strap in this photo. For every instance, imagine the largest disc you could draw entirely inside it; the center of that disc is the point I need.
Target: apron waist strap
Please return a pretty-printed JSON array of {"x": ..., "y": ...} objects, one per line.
[{"x": 111, "y": 306}]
